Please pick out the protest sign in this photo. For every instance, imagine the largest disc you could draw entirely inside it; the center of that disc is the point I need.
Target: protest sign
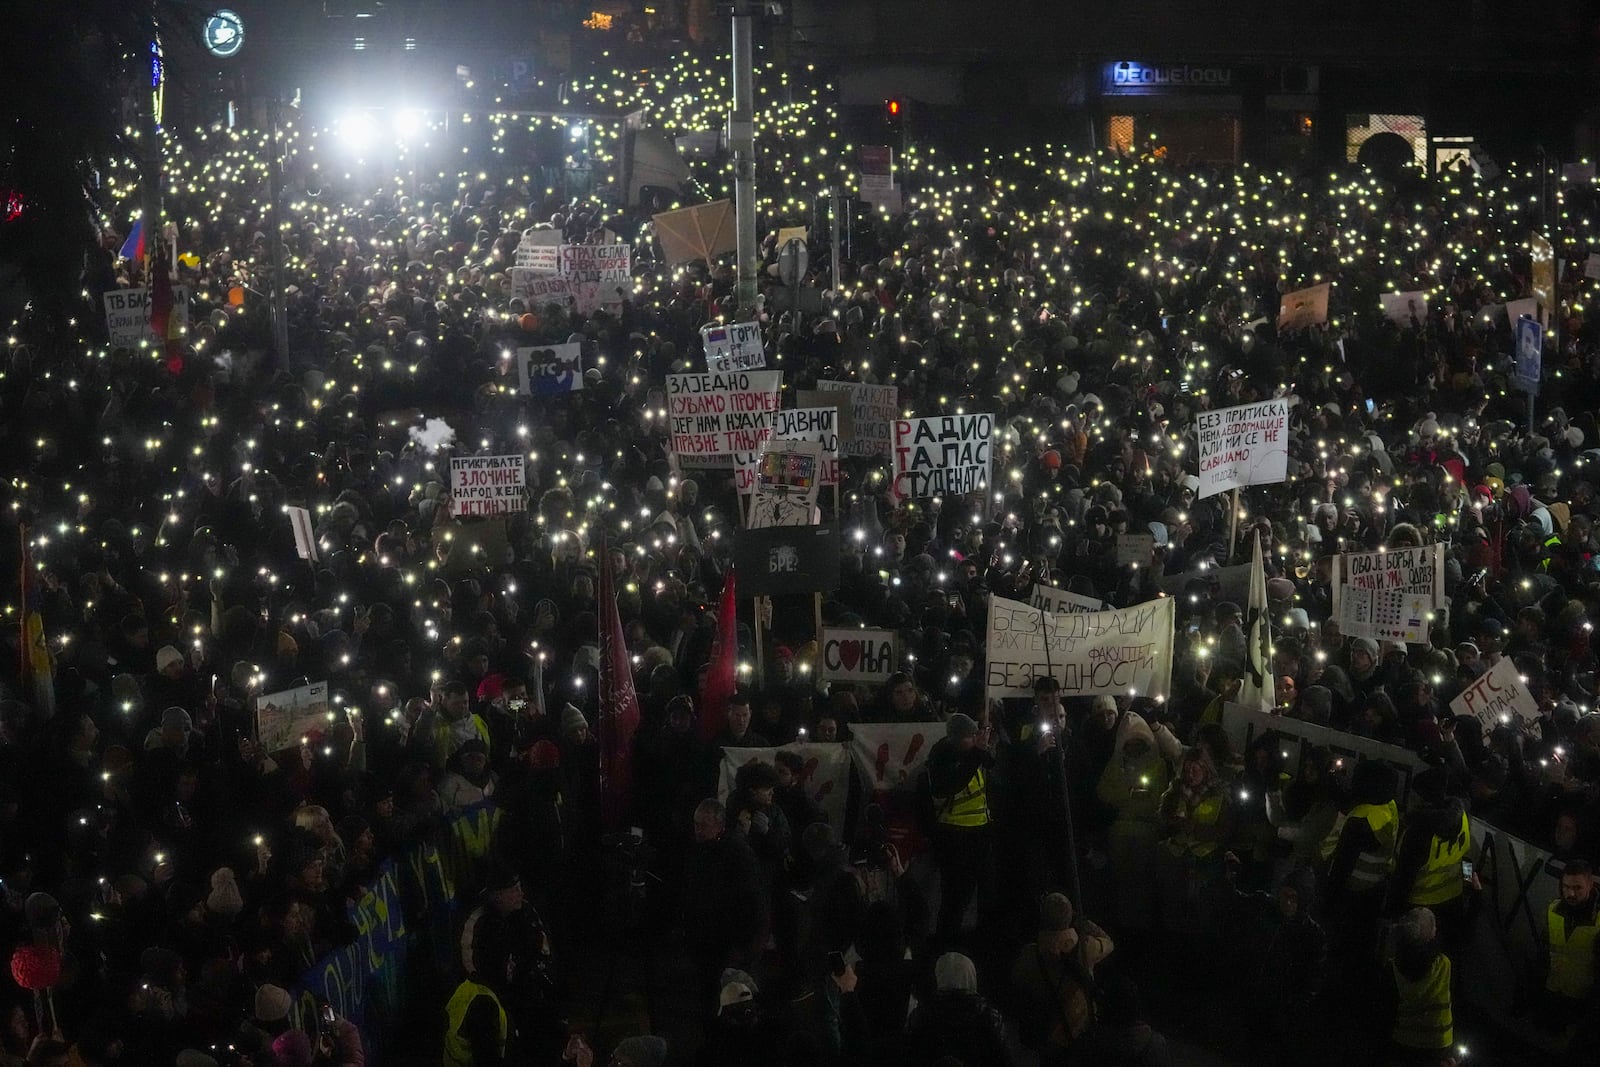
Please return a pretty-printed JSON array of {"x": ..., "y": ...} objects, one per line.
[
  {"x": 714, "y": 416},
  {"x": 702, "y": 232},
  {"x": 1244, "y": 445},
  {"x": 1591, "y": 266},
  {"x": 1224, "y": 583},
  {"x": 1525, "y": 307},
  {"x": 840, "y": 401},
  {"x": 1060, "y": 601},
  {"x": 1304, "y": 307},
  {"x": 824, "y": 774},
  {"x": 1135, "y": 549},
  {"x": 283, "y": 718},
  {"x": 1389, "y": 595},
  {"x": 819, "y": 425},
  {"x": 781, "y": 560},
  {"x": 946, "y": 455},
  {"x": 889, "y": 754},
  {"x": 1127, "y": 651},
  {"x": 1405, "y": 309},
  {"x": 551, "y": 370},
  {"x": 487, "y": 485},
  {"x": 305, "y": 541},
  {"x": 588, "y": 276},
  {"x": 538, "y": 251},
  {"x": 733, "y": 346},
  {"x": 128, "y": 315},
  {"x": 785, "y": 479},
  {"x": 1496, "y": 696},
  {"x": 1530, "y": 355},
  {"x": 873, "y": 411},
  {"x": 851, "y": 654},
  {"x": 792, "y": 233}
]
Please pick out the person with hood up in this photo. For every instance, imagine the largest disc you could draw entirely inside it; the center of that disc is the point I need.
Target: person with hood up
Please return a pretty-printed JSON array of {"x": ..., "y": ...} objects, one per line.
[
  {"x": 1132, "y": 785},
  {"x": 957, "y": 1021},
  {"x": 1437, "y": 837}
]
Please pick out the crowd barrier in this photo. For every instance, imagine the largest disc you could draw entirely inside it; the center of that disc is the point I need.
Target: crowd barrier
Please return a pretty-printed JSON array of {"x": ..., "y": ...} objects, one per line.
[{"x": 408, "y": 914}]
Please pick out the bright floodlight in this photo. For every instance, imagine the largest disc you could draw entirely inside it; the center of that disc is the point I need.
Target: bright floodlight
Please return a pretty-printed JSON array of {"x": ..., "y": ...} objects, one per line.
[
  {"x": 408, "y": 123},
  {"x": 576, "y": 131},
  {"x": 358, "y": 130}
]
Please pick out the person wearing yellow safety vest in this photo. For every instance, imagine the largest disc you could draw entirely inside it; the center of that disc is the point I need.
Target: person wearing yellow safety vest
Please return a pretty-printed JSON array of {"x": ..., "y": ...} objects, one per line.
[
  {"x": 1359, "y": 853},
  {"x": 478, "y": 1030},
  {"x": 1422, "y": 1030},
  {"x": 1572, "y": 945},
  {"x": 1196, "y": 821},
  {"x": 961, "y": 778},
  {"x": 1434, "y": 843}
]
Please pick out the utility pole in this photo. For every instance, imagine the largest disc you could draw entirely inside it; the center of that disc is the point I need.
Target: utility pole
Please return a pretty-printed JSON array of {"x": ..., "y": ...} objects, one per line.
[{"x": 742, "y": 141}]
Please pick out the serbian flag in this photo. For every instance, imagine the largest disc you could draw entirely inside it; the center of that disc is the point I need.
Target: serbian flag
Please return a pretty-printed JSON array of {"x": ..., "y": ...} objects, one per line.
[
  {"x": 722, "y": 672},
  {"x": 133, "y": 247},
  {"x": 619, "y": 703}
]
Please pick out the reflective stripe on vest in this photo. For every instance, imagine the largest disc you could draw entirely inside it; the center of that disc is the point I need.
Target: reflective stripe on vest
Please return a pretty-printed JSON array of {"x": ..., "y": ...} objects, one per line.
[
  {"x": 1372, "y": 867},
  {"x": 1205, "y": 813},
  {"x": 1440, "y": 880},
  {"x": 1571, "y": 958},
  {"x": 970, "y": 807},
  {"x": 457, "y": 1050},
  {"x": 1422, "y": 1018}
]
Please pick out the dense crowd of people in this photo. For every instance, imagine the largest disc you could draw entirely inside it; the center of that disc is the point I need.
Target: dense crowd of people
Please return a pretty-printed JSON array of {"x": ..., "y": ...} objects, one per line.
[{"x": 1066, "y": 861}]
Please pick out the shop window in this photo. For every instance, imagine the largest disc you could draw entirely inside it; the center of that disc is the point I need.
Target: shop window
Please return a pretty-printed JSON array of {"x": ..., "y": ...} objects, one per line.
[
  {"x": 1391, "y": 136},
  {"x": 1119, "y": 133}
]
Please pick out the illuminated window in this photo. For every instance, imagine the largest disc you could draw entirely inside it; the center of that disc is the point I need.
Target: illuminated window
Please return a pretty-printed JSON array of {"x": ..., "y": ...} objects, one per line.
[
  {"x": 360, "y": 44},
  {"x": 597, "y": 20},
  {"x": 1119, "y": 133},
  {"x": 1412, "y": 129}
]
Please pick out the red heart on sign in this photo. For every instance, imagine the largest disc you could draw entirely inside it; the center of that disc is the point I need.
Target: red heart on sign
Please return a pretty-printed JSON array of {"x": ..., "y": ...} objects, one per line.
[{"x": 849, "y": 654}]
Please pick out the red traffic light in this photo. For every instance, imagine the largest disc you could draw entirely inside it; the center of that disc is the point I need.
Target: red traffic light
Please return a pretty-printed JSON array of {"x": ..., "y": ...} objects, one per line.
[{"x": 893, "y": 107}]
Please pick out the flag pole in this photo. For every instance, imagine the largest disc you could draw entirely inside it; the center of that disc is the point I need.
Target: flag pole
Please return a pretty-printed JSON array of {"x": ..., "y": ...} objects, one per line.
[{"x": 1233, "y": 524}]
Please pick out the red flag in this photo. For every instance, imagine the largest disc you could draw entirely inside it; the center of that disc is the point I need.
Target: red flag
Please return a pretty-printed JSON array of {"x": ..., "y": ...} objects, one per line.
[
  {"x": 619, "y": 703},
  {"x": 723, "y": 671}
]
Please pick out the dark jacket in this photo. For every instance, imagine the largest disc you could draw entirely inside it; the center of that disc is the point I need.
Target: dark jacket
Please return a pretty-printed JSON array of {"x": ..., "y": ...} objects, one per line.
[{"x": 958, "y": 1024}]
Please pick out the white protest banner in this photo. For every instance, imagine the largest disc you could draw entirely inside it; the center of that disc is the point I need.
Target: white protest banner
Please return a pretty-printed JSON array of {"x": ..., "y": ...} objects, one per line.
[
  {"x": 589, "y": 276},
  {"x": 550, "y": 370},
  {"x": 283, "y": 719},
  {"x": 1244, "y": 445},
  {"x": 1135, "y": 549},
  {"x": 1496, "y": 695},
  {"x": 1060, "y": 601},
  {"x": 1390, "y": 595},
  {"x": 873, "y": 411},
  {"x": 487, "y": 485},
  {"x": 305, "y": 541},
  {"x": 795, "y": 424},
  {"x": 889, "y": 754},
  {"x": 1127, "y": 651},
  {"x": 785, "y": 478},
  {"x": 851, "y": 654},
  {"x": 714, "y": 416},
  {"x": 1405, "y": 308},
  {"x": 128, "y": 314},
  {"x": 587, "y": 297},
  {"x": 824, "y": 774},
  {"x": 596, "y": 263},
  {"x": 733, "y": 346},
  {"x": 539, "y": 251},
  {"x": 946, "y": 455}
]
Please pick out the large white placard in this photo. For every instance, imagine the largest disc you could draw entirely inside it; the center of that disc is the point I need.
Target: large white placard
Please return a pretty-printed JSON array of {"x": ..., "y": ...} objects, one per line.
[
  {"x": 1060, "y": 601},
  {"x": 733, "y": 346},
  {"x": 1126, "y": 652},
  {"x": 946, "y": 455},
  {"x": 1496, "y": 696},
  {"x": 714, "y": 416},
  {"x": 824, "y": 774},
  {"x": 1244, "y": 445},
  {"x": 487, "y": 485},
  {"x": 786, "y": 478},
  {"x": 873, "y": 411},
  {"x": 851, "y": 654},
  {"x": 818, "y": 425},
  {"x": 589, "y": 276},
  {"x": 128, "y": 314},
  {"x": 1390, "y": 595}
]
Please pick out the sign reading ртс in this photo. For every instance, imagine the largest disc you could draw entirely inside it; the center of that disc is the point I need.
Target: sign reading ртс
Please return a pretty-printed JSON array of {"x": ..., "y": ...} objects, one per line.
[
  {"x": 946, "y": 455},
  {"x": 1244, "y": 445},
  {"x": 1496, "y": 696},
  {"x": 487, "y": 485}
]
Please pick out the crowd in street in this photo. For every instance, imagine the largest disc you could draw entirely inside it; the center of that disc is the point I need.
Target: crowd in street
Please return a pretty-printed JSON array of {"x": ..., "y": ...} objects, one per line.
[{"x": 1067, "y": 868}]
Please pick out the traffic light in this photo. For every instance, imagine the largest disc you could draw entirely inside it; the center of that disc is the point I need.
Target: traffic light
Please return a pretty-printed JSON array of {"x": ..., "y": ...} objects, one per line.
[{"x": 894, "y": 110}]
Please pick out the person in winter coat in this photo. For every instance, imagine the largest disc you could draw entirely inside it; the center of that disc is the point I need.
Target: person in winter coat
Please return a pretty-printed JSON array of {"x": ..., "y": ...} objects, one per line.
[
  {"x": 957, "y": 1021},
  {"x": 1422, "y": 1027},
  {"x": 1196, "y": 818},
  {"x": 1132, "y": 784},
  {"x": 1054, "y": 980},
  {"x": 1276, "y": 955},
  {"x": 468, "y": 779},
  {"x": 723, "y": 905},
  {"x": 1436, "y": 839}
]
